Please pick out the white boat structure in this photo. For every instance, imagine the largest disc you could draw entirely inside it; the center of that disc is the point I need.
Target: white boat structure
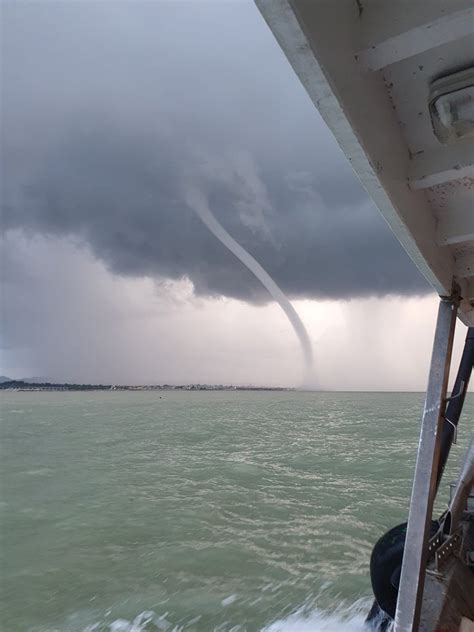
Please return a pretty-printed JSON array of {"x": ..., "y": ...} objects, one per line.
[{"x": 394, "y": 81}]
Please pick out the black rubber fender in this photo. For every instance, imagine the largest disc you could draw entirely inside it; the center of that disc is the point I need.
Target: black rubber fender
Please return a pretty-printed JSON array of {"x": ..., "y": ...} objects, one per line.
[{"x": 386, "y": 565}]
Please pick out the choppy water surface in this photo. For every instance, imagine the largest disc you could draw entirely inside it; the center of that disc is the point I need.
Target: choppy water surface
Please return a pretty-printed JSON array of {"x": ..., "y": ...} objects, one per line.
[{"x": 125, "y": 512}]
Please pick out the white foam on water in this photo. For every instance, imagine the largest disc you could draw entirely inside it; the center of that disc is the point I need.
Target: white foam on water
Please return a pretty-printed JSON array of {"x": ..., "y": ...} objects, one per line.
[
  {"x": 142, "y": 623},
  {"x": 343, "y": 619},
  {"x": 228, "y": 600},
  {"x": 318, "y": 621}
]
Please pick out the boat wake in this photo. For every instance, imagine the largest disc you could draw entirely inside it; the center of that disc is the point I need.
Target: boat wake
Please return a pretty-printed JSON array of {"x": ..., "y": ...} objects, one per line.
[{"x": 343, "y": 619}]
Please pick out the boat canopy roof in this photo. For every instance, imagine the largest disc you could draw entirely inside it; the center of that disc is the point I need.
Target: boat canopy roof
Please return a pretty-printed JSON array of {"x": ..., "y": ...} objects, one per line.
[{"x": 394, "y": 81}]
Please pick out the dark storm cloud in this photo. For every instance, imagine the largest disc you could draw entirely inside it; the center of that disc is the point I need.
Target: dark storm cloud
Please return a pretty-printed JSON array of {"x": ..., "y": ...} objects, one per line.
[{"x": 111, "y": 109}]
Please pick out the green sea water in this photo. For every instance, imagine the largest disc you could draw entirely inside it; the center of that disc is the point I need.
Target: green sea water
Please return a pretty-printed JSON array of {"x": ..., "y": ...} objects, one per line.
[{"x": 223, "y": 511}]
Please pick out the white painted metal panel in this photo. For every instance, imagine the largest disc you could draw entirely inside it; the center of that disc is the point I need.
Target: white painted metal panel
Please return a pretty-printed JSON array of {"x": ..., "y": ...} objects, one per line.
[
  {"x": 368, "y": 65},
  {"x": 464, "y": 257},
  {"x": 416, "y": 39}
]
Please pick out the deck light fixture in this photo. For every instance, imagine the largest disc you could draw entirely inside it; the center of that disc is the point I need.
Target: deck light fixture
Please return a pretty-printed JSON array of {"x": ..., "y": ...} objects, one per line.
[{"x": 451, "y": 105}]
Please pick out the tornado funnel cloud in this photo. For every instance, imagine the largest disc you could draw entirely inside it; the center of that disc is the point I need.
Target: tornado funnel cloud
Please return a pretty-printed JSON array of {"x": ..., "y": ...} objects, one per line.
[{"x": 197, "y": 201}]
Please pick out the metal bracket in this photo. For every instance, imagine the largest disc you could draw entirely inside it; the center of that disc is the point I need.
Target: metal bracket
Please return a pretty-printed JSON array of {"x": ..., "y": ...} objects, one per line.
[
  {"x": 450, "y": 399},
  {"x": 455, "y": 430},
  {"x": 450, "y": 547},
  {"x": 435, "y": 543},
  {"x": 458, "y": 394}
]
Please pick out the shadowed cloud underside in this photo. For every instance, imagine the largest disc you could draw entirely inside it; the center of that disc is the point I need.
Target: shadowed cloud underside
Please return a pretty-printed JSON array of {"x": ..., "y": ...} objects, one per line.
[{"x": 109, "y": 107}]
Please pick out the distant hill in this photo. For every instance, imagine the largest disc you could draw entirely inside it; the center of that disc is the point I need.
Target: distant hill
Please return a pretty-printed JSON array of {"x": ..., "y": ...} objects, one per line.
[{"x": 4, "y": 378}]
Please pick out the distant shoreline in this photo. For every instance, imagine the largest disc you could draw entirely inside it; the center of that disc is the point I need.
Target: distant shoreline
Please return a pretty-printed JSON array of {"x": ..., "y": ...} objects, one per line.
[{"x": 19, "y": 385}]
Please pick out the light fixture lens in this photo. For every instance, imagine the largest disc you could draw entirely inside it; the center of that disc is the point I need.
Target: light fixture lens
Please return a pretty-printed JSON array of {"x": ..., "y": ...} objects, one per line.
[{"x": 452, "y": 107}]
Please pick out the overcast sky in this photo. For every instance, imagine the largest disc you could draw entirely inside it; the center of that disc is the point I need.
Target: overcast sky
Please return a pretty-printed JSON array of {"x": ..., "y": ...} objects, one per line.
[{"x": 109, "y": 111}]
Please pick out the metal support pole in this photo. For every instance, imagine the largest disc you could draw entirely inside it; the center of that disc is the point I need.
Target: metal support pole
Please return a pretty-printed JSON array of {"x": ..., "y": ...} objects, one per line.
[
  {"x": 407, "y": 616},
  {"x": 456, "y": 402}
]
